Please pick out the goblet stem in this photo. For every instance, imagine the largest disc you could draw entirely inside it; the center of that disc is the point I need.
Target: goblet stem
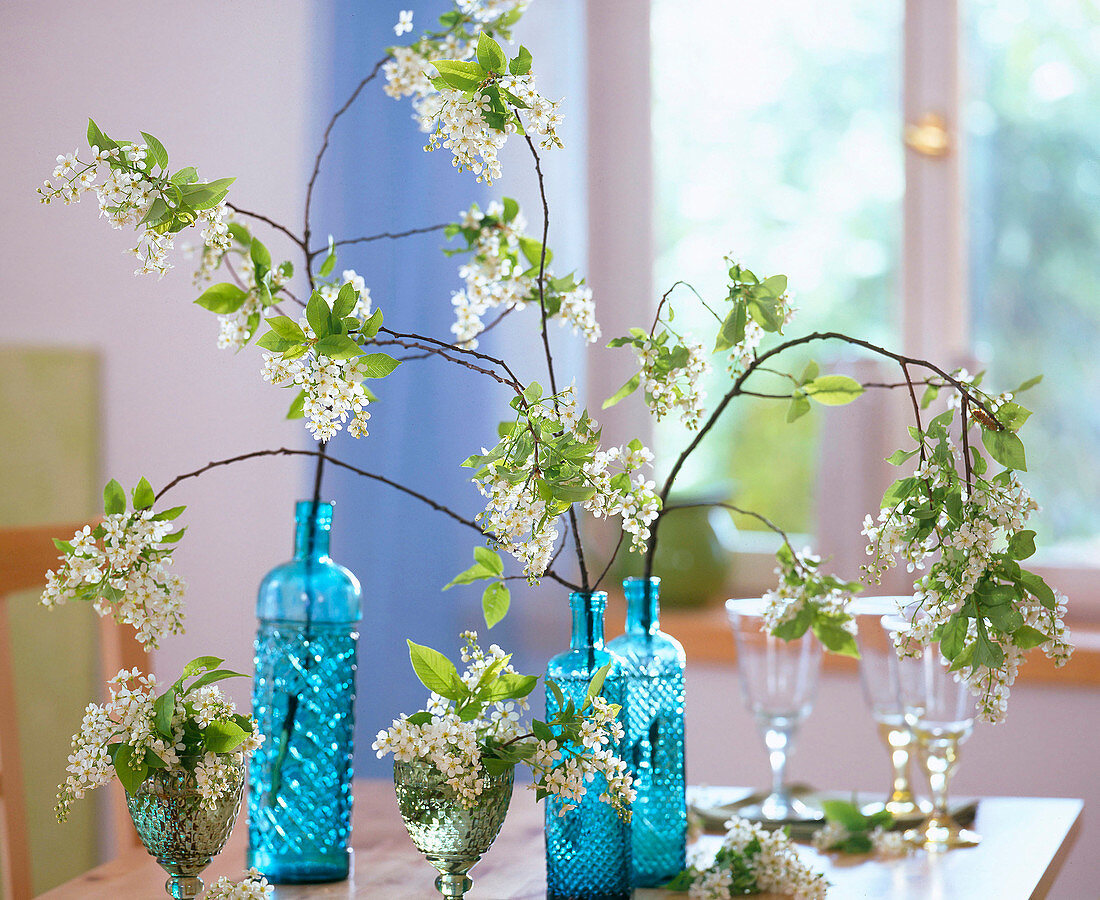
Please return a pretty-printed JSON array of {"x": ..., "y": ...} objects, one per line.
[
  {"x": 940, "y": 768},
  {"x": 453, "y": 885},
  {"x": 780, "y": 744},
  {"x": 183, "y": 887}
]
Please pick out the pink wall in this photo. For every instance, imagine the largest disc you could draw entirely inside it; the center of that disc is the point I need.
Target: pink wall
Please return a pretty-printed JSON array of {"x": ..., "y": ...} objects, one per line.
[{"x": 225, "y": 87}]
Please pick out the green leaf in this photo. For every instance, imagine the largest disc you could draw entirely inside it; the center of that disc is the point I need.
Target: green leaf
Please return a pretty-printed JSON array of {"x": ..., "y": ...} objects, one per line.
[
  {"x": 836, "y": 638},
  {"x": 371, "y": 326},
  {"x": 319, "y": 316},
  {"x": 1022, "y": 544},
  {"x": 900, "y": 490},
  {"x": 211, "y": 677},
  {"x": 775, "y": 285},
  {"x": 489, "y": 54},
  {"x": 338, "y": 346},
  {"x": 489, "y": 560},
  {"x": 285, "y": 327},
  {"x": 168, "y": 515},
  {"x": 297, "y": 408},
  {"x": 1027, "y": 385},
  {"x": 459, "y": 74},
  {"x": 732, "y": 331},
  {"x": 329, "y": 262},
  {"x": 1038, "y": 588},
  {"x": 156, "y": 150},
  {"x": 476, "y": 572},
  {"x": 795, "y": 627},
  {"x": 63, "y": 546},
  {"x": 437, "y": 673},
  {"x": 1012, "y": 416},
  {"x": 201, "y": 664},
  {"x": 1006, "y": 617},
  {"x": 844, "y": 813},
  {"x": 114, "y": 498},
  {"x": 223, "y": 736},
  {"x": 596, "y": 684},
  {"x": 953, "y": 636},
  {"x": 510, "y": 687},
  {"x": 521, "y": 65},
  {"x": 143, "y": 495},
  {"x": 511, "y": 208},
  {"x": 1025, "y": 637},
  {"x": 1006, "y": 448},
  {"x": 625, "y": 391},
  {"x": 532, "y": 250},
  {"x": 833, "y": 390},
  {"x": 174, "y": 537},
  {"x": 269, "y": 340},
  {"x": 345, "y": 301},
  {"x": 798, "y": 407},
  {"x": 130, "y": 776},
  {"x": 809, "y": 373},
  {"x": 378, "y": 365},
  {"x": 97, "y": 138},
  {"x": 495, "y": 602},
  {"x": 900, "y": 456},
  {"x": 163, "y": 708},
  {"x": 223, "y": 298},
  {"x": 206, "y": 196},
  {"x": 261, "y": 256}
]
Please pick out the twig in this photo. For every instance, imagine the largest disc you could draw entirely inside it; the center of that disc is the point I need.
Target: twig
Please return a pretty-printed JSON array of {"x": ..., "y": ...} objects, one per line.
[
  {"x": 383, "y": 235},
  {"x": 278, "y": 227}
]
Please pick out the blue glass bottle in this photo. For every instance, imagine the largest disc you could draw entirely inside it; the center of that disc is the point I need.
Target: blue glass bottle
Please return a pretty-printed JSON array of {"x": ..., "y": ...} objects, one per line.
[
  {"x": 587, "y": 849},
  {"x": 303, "y": 696},
  {"x": 653, "y": 664}
]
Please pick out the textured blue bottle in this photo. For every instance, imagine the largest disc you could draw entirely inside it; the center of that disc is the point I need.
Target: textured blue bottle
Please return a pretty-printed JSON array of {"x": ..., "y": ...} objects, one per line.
[
  {"x": 653, "y": 664},
  {"x": 303, "y": 696},
  {"x": 587, "y": 849}
]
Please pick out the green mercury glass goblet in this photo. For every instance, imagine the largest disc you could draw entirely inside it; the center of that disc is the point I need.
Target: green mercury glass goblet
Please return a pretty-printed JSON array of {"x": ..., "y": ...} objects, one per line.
[
  {"x": 177, "y": 829},
  {"x": 452, "y": 837}
]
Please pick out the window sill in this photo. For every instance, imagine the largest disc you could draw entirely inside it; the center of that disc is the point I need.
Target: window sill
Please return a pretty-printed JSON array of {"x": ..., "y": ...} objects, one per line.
[{"x": 706, "y": 636}]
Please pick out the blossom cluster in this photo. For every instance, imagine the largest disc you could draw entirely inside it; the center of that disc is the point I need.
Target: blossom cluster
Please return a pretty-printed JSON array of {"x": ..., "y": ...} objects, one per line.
[
  {"x": 123, "y": 737},
  {"x": 549, "y": 459},
  {"x": 253, "y": 887},
  {"x": 502, "y": 275},
  {"x": 678, "y": 388},
  {"x": 972, "y": 593},
  {"x": 467, "y": 732},
  {"x": 132, "y": 194},
  {"x": 122, "y": 566},
  {"x": 753, "y": 860},
  {"x": 833, "y": 836}
]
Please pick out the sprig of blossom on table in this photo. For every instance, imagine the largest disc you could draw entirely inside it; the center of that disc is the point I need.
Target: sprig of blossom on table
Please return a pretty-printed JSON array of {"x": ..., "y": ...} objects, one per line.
[
  {"x": 546, "y": 460},
  {"x": 138, "y": 192},
  {"x": 121, "y": 566},
  {"x": 253, "y": 887},
  {"x": 752, "y": 860},
  {"x": 848, "y": 830},
  {"x": 968, "y": 534},
  {"x": 471, "y": 727},
  {"x": 503, "y": 275},
  {"x": 322, "y": 354},
  {"x": 189, "y": 727}
]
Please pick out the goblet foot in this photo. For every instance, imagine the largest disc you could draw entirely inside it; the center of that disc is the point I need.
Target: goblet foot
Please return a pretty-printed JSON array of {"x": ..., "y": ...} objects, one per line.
[
  {"x": 938, "y": 833},
  {"x": 899, "y": 809},
  {"x": 780, "y": 807},
  {"x": 183, "y": 887},
  {"x": 453, "y": 884}
]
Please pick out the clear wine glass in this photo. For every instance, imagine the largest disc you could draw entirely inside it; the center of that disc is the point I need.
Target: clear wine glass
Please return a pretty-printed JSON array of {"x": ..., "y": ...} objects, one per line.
[
  {"x": 778, "y": 683},
  {"x": 878, "y": 676},
  {"x": 940, "y": 712}
]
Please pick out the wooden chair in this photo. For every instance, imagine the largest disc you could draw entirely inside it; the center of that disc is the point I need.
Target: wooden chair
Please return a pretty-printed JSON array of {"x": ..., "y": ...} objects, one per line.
[{"x": 25, "y": 555}]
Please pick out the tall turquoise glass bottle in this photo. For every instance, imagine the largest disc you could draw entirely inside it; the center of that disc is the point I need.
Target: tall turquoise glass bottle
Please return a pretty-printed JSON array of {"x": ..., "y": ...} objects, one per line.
[
  {"x": 303, "y": 696},
  {"x": 588, "y": 848},
  {"x": 653, "y": 665}
]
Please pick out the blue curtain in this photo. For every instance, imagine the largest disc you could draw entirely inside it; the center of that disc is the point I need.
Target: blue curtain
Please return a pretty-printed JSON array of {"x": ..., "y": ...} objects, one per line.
[{"x": 431, "y": 414}]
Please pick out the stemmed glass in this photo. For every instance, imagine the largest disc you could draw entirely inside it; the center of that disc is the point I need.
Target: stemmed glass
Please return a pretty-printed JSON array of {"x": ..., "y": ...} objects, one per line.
[
  {"x": 940, "y": 712},
  {"x": 878, "y": 675},
  {"x": 778, "y": 683}
]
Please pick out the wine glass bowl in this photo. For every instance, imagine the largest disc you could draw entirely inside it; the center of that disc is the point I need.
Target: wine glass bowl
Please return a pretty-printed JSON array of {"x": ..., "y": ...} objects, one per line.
[
  {"x": 878, "y": 676},
  {"x": 940, "y": 712},
  {"x": 779, "y": 684}
]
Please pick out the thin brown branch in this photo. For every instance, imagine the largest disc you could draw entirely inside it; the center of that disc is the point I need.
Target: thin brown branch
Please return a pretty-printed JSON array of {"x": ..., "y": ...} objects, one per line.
[
  {"x": 390, "y": 235},
  {"x": 607, "y": 568},
  {"x": 276, "y": 225},
  {"x": 307, "y": 233}
]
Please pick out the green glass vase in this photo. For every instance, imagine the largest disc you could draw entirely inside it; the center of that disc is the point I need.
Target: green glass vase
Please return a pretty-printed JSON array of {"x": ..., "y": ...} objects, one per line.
[
  {"x": 178, "y": 830},
  {"x": 452, "y": 837}
]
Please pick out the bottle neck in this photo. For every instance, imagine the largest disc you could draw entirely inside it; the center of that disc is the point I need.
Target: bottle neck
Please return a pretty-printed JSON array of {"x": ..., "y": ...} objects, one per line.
[
  {"x": 312, "y": 527},
  {"x": 643, "y": 611},
  {"x": 588, "y": 610}
]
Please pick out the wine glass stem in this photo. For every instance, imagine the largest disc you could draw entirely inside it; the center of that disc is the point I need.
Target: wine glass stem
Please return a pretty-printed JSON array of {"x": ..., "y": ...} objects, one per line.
[
  {"x": 939, "y": 776},
  {"x": 780, "y": 745},
  {"x": 899, "y": 742}
]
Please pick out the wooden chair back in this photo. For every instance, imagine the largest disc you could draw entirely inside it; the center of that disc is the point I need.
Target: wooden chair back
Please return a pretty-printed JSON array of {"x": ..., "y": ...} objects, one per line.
[{"x": 25, "y": 555}]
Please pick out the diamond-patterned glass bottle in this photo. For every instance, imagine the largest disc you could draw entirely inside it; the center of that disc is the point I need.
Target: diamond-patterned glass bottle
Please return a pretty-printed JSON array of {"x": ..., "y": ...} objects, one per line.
[
  {"x": 587, "y": 849},
  {"x": 653, "y": 664},
  {"x": 303, "y": 696}
]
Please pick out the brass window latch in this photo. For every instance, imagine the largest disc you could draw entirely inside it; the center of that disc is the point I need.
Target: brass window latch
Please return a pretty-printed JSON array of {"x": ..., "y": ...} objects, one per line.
[{"x": 929, "y": 136}]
